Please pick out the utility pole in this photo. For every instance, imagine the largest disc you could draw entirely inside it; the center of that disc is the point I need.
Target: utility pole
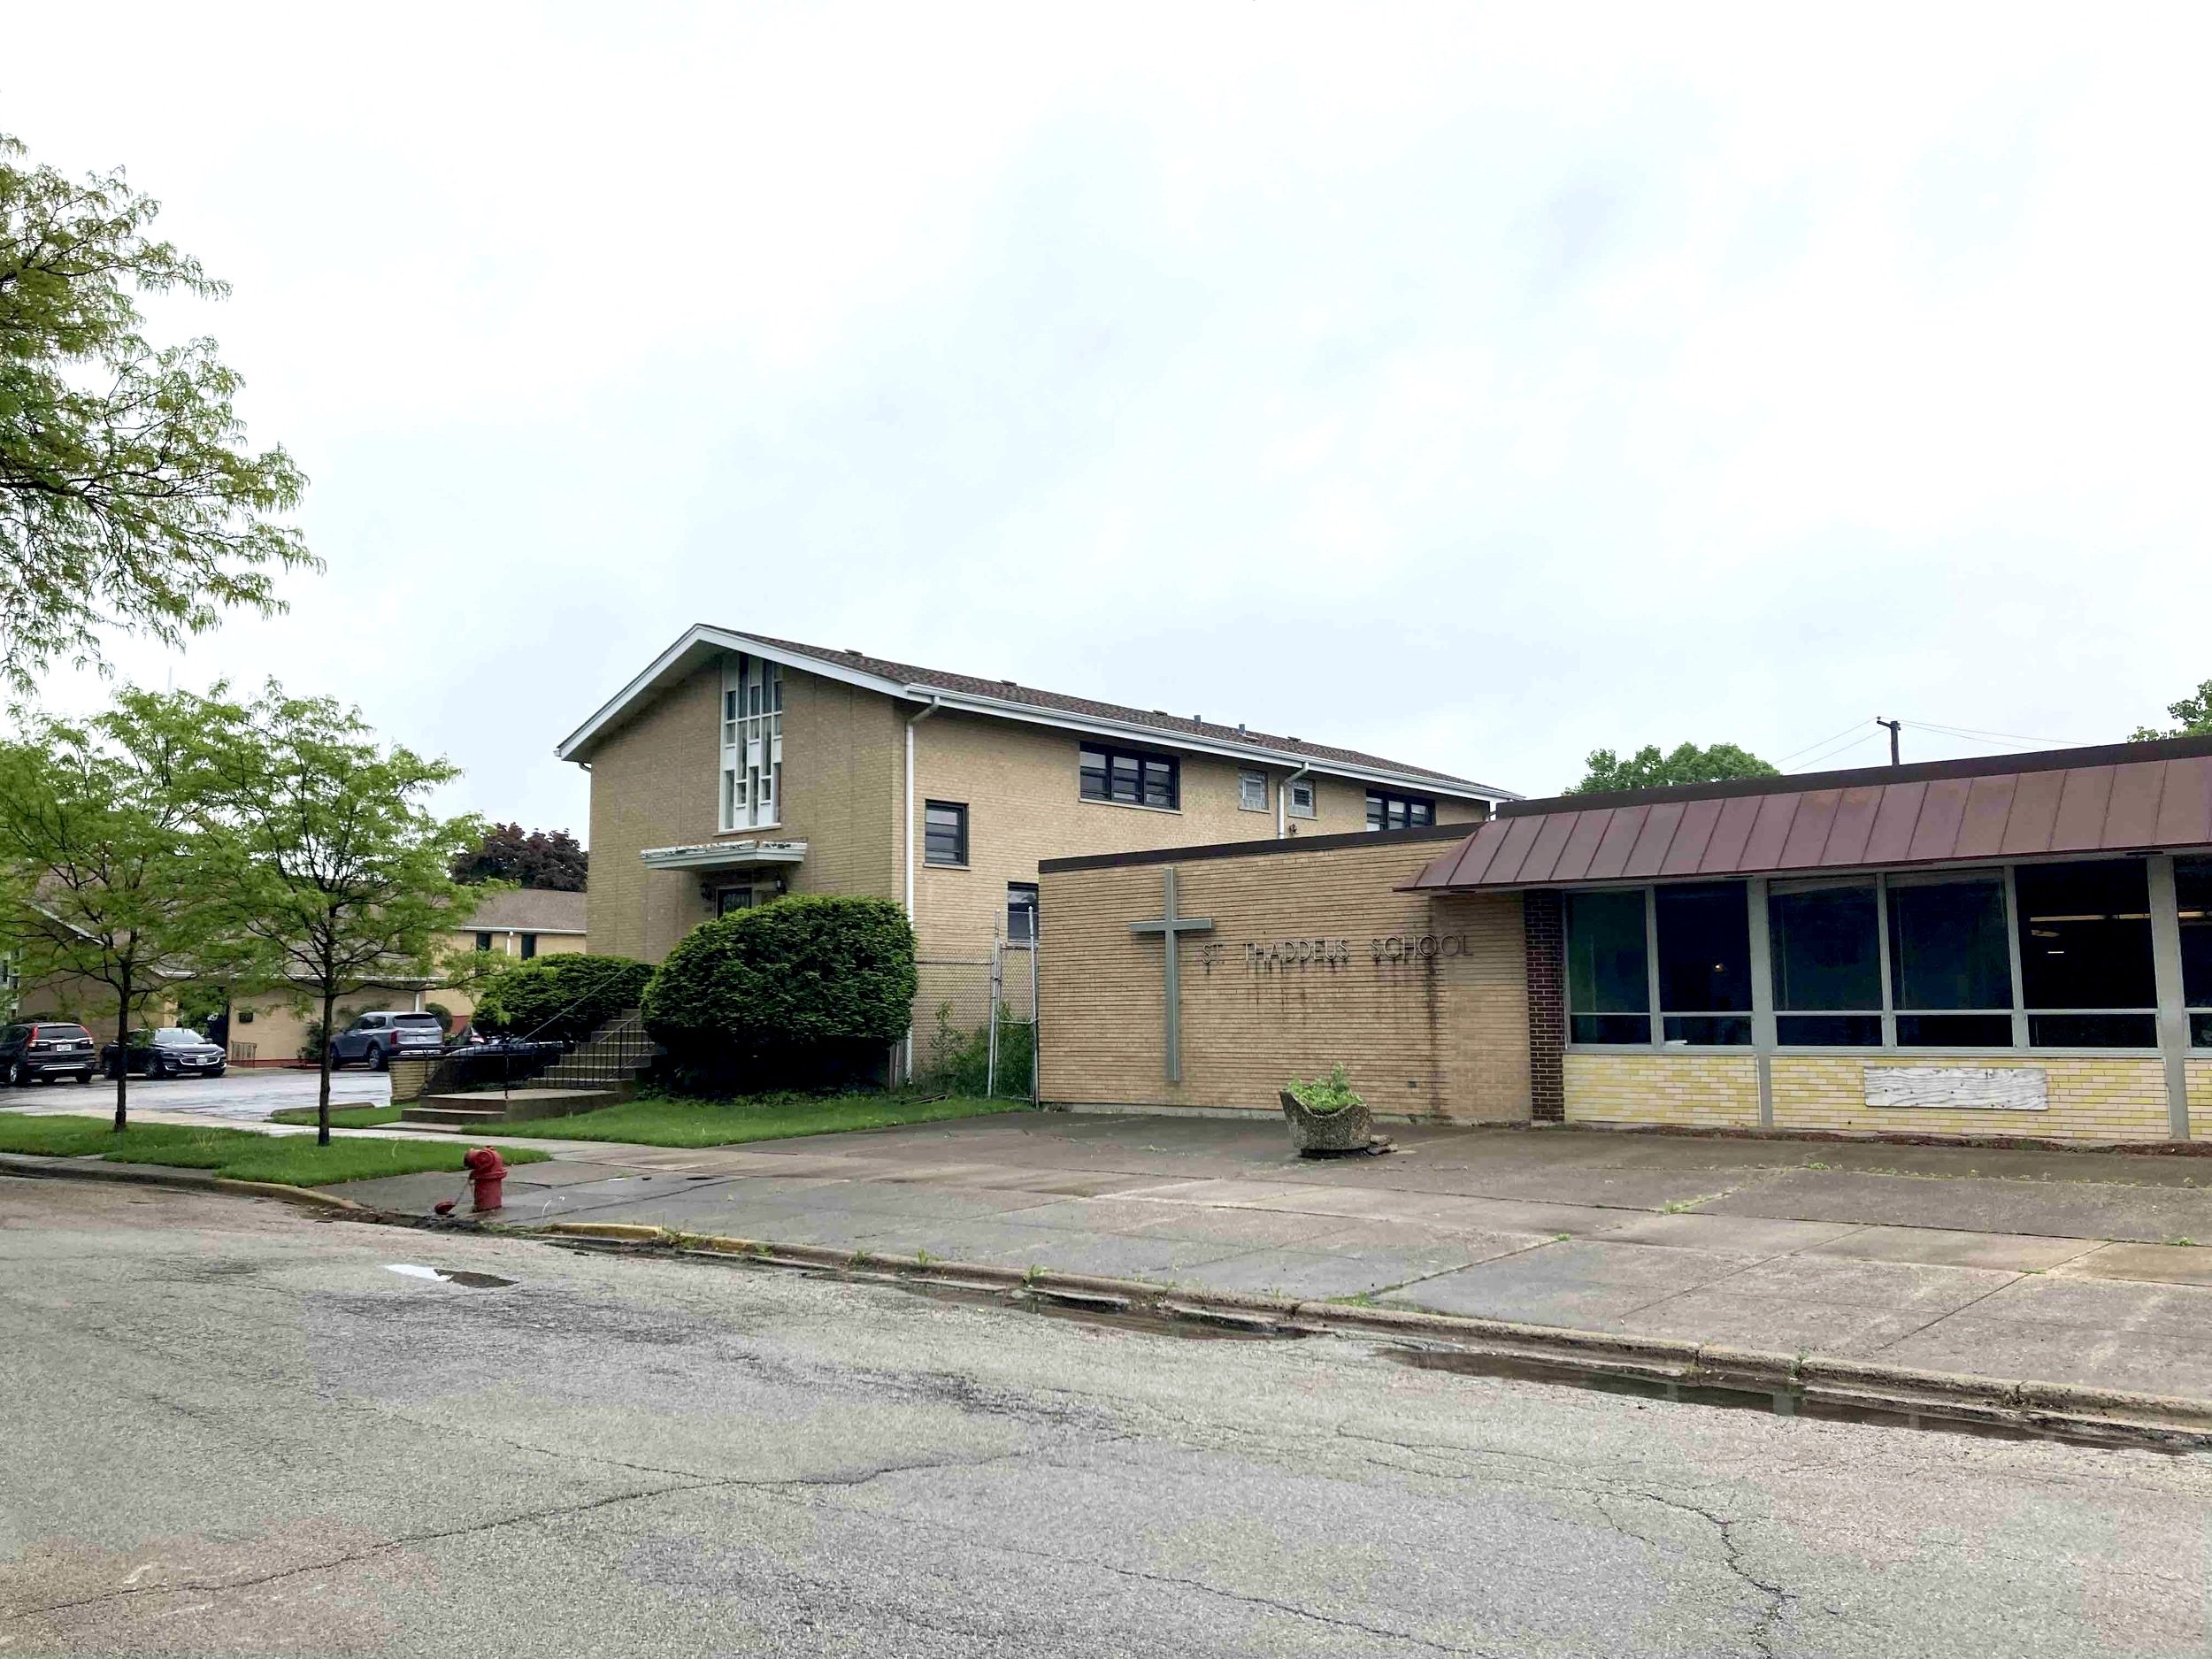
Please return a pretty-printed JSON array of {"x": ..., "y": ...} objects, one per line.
[{"x": 1893, "y": 726}]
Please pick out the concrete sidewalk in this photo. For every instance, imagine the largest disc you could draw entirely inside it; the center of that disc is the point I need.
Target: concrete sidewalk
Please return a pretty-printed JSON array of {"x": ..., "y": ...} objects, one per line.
[{"x": 2059, "y": 1266}]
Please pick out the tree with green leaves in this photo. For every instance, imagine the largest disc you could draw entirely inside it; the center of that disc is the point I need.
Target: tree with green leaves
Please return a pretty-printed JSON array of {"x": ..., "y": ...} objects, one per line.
[
  {"x": 333, "y": 863},
  {"x": 105, "y": 875},
  {"x": 127, "y": 495},
  {"x": 2193, "y": 714},
  {"x": 1649, "y": 769}
]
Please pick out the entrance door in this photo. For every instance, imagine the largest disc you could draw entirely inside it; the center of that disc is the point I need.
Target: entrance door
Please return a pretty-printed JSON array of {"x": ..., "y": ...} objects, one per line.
[{"x": 728, "y": 899}]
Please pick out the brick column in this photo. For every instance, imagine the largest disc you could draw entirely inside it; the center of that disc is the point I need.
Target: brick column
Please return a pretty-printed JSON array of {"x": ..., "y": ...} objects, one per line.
[{"x": 1544, "y": 933}]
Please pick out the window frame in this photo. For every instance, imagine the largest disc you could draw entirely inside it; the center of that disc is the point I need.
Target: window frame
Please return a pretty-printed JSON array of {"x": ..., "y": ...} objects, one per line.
[
  {"x": 749, "y": 711},
  {"x": 1757, "y": 897},
  {"x": 1251, "y": 791},
  {"x": 1114, "y": 758},
  {"x": 1291, "y": 792},
  {"x": 1420, "y": 810},
  {"x": 959, "y": 808},
  {"x": 1031, "y": 909}
]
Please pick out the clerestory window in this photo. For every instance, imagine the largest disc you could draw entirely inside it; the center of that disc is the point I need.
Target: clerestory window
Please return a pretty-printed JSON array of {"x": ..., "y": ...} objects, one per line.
[{"x": 752, "y": 742}]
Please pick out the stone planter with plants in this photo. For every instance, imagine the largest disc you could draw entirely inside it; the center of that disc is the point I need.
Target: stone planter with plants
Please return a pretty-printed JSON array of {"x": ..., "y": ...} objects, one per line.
[{"x": 1327, "y": 1116}]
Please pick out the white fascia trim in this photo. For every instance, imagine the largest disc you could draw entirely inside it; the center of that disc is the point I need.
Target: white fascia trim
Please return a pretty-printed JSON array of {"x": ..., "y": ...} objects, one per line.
[
  {"x": 719, "y": 856},
  {"x": 725, "y": 639},
  {"x": 710, "y": 639},
  {"x": 963, "y": 703}
]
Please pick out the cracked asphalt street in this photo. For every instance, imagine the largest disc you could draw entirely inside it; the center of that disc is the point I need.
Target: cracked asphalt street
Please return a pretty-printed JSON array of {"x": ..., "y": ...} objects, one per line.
[{"x": 232, "y": 1428}]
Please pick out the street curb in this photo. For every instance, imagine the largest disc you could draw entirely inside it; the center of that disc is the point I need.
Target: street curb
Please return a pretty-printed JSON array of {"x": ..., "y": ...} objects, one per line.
[
  {"x": 1828, "y": 1386},
  {"x": 178, "y": 1180}
]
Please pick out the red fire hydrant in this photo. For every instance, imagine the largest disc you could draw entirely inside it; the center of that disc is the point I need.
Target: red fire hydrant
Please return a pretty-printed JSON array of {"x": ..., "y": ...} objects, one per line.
[{"x": 487, "y": 1175}]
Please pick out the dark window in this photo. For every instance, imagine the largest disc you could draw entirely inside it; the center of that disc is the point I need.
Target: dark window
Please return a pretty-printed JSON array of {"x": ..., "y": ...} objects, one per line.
[
  {"x": 1398, "y": 812},
  {"x": 945, "y": 832},
  {"x": 1129, "y": 777},
  {"x": 2084, "y": 946},
  {"x": 1704, "y": 963},
  {"x": 1826, "y": 950},
  {"x": 1949, "y": 950},
  {"x": 1021, "y": 911},
  {"x": 483, "y": 941},
  {"x": 529, "y": 946},
  {"x": 729, "y": 899},
  {"x": 2193, "y": 895},
  {"x": 1609, "y": 986}
]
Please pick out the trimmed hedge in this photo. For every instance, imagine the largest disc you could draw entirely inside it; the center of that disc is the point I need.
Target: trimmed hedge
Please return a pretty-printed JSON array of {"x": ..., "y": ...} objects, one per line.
[
  {"x": 577, "y": 994},
  {"x": 806, "y": 992}
]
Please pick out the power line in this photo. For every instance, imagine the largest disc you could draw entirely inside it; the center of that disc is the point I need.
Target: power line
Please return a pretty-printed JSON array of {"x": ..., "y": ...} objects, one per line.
[
  {"x": 1809, "y": 748},
  {"x": 2009, "y": 737},
  {"x": 1819, "y": 760}
]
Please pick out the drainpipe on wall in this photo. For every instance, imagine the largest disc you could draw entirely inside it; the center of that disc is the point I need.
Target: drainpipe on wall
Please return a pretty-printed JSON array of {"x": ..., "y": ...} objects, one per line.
[
  {"x": 912, "y": 721},
  {"x": 1282, "y": 799}
]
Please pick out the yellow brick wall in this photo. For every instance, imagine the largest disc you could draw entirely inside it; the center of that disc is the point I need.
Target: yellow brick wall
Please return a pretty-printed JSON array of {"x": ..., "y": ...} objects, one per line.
[
  {"x": 1439, "y": 1035},
  {"x": 1706, "y": 1090},
  {"x": 2090, "y": 1099},
  {"x": 653, "y": 784},
  {"x": 2199, "y": 1072}
]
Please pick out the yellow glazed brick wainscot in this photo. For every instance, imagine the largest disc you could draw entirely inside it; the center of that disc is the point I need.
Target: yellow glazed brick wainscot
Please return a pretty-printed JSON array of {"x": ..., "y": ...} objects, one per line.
[
  {"x": 2199, "y": 1072},
  {"x": 2090, "y": 1098},
  {"x": 1707, "y": 1089},
  {"x": 1313, "y": 960}
]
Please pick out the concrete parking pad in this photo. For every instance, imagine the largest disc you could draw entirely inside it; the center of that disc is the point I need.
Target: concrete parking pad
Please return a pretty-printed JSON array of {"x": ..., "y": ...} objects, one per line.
[
  {"x": 1581, "y": 1283},
  {"x": 2013, "y": 1252},
  {"x": 2149, "y": 1263}
]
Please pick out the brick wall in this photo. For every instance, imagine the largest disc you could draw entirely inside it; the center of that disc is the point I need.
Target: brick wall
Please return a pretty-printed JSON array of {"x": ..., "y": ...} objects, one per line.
[
  {"x": 1706, "y": 1088},
  {"x": 2090, "y": 1098},
  {"x": 1313, "y": 959},
  {"x": 653, "y": 784},
  {"x": 1544, "y": 935}
]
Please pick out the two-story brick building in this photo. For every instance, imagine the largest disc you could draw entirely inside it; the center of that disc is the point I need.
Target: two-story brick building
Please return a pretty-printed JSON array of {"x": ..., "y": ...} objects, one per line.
[{"x": 737, "y": 767}]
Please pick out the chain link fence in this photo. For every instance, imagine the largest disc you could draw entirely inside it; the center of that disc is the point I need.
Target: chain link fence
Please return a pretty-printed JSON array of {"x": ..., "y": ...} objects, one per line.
[{"x": 975, "y": 1022}]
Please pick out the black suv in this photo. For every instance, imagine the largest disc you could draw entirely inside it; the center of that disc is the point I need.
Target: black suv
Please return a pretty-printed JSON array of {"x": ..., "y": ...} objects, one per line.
[
  {"x": 171, "y": 1051},
  {"x": 48, "y": 1050}
]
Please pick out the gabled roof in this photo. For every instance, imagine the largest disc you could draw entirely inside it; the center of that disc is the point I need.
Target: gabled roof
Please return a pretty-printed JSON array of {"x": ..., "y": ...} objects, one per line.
[
  {"x": 2117, "y": 797},
  {"x": 1005, "y": 700},
  {"x": 529, "y": 910}
]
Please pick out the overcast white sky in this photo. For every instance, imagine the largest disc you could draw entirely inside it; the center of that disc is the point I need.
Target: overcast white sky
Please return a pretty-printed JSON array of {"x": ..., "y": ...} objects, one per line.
[{"x": 1477, "y": 386}]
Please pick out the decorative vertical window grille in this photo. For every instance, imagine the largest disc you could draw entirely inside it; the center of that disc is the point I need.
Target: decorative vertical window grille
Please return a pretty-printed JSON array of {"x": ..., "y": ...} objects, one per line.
[{"x": 752, "y": 742}]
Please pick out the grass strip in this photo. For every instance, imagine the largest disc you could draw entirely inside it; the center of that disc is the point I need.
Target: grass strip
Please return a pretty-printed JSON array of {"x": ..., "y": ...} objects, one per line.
[
  {"x": 240, "y": 1155},
  {"x": 340, "y": 1116},
  {"x": 659, "y": 1120}
]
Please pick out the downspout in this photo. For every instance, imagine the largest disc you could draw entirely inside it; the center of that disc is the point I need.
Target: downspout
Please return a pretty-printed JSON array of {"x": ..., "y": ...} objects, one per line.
[
  {"x": 1282, "y": 799},
  {"x": 912, "y": 721}
]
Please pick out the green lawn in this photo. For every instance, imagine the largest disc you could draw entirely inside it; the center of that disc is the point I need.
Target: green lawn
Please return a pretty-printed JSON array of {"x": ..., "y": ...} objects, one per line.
[
  {"x": 340, "y": 1116},
  {"x": 660, "y": 1121},
  {"x": 239, "y": 1154}
]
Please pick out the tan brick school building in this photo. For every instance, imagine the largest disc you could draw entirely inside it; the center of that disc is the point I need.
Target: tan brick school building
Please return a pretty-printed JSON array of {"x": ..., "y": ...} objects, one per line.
[
  {"x": 2020, "y": 945},
  {"x": 737, "y": 767}
]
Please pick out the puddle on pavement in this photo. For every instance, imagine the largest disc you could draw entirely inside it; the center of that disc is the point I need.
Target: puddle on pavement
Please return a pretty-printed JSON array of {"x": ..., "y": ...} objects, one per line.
[
  {"x": 1776, "y": 1402},
  {"x": 449, "y": 1276}
]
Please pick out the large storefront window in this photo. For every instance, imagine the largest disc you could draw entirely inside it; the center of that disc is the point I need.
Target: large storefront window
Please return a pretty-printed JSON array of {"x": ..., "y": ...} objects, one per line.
[
  {"x": 1826, "y": 946},
  {"x": 2054, "y": 956},
  {"x": 1950, "y": 961},
  {"x": 1609, "y": 980},
  {"x": 2086, "y": 967},
  {"x": 2193, "y": 896},
  {"x": 1704, "y": 963}
]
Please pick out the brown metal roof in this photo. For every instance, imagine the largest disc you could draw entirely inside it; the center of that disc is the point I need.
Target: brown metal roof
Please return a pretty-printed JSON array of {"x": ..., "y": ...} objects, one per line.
[{"x": 2119, "y": 797}]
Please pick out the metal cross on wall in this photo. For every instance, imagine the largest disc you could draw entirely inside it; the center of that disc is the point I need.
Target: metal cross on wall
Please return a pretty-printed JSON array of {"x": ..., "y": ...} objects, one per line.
[{"x": 1171, "y": 927}]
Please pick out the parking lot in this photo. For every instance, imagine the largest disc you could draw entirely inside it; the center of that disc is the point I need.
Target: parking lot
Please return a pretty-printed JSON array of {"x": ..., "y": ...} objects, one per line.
[{"x": 246, "y": 1095}]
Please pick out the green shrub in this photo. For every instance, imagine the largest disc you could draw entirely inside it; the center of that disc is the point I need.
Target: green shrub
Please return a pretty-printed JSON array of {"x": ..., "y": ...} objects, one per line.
[
  {"x": 559, "y": 999},
  {"x": 806, "y": 991},
  {"x": 1330, "y": 1094},
  {"x": 960, "y": 1061}
]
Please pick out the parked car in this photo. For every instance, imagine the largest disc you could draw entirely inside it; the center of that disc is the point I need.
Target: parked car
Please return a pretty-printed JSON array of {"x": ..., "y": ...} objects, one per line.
[
  {"x": 377, "y": 1039},
  {"x": 170, "y": 1051},
  {"x": 48, "y": 1050}
]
